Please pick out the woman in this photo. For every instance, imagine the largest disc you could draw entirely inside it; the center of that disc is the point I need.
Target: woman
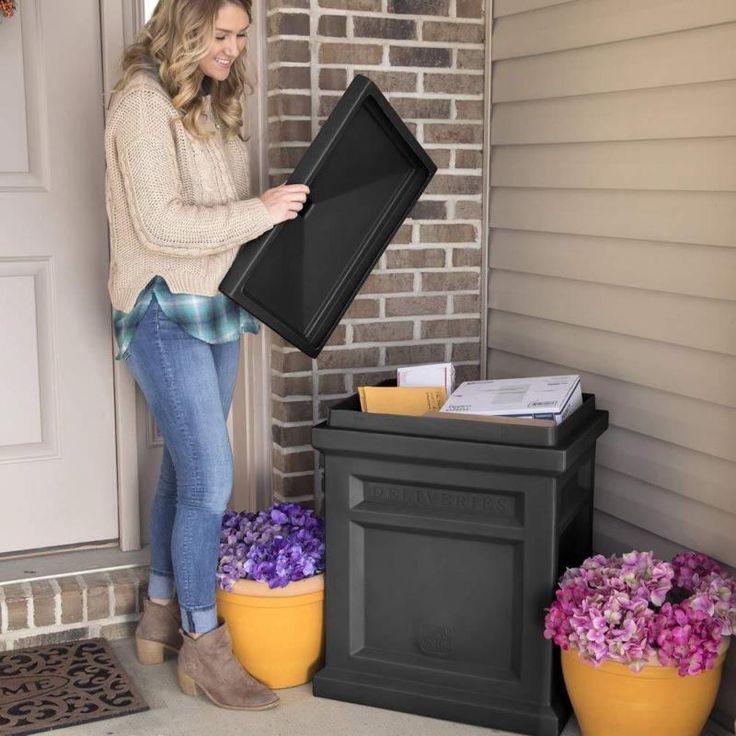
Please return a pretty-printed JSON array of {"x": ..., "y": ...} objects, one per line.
[{"x": 179, "y": 207}]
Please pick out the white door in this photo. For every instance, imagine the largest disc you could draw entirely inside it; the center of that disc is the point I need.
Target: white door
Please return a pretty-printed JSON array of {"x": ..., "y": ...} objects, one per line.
[{"x": 57, "y": 429}]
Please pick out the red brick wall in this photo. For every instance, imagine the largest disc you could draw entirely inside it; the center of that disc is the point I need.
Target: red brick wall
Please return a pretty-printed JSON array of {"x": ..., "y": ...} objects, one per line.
[{"x": 422, "y": 302}]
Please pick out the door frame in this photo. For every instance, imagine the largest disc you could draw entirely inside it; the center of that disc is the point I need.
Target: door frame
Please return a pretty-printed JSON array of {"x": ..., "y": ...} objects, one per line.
[{"x": 251, "y": 411}]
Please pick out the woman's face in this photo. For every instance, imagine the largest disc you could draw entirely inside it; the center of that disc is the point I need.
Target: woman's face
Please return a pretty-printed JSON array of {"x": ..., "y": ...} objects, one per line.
[{"x": 228, "y": 42}]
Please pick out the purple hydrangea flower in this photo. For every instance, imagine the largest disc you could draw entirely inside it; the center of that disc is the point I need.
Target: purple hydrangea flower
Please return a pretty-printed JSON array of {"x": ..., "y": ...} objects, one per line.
[
  {"x": 278, "y": 546},
  {"x": 633, "y": 608}
]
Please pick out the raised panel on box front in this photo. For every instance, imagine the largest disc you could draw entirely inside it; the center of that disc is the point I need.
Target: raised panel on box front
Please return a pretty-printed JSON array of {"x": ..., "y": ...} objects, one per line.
[
  {"x": 439, "y": 602},
  {"x": 434, "y": 576}
]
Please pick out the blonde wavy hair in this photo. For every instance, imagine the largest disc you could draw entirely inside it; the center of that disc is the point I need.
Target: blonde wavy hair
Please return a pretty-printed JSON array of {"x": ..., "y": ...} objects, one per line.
[{"x": 172, "y": 43}]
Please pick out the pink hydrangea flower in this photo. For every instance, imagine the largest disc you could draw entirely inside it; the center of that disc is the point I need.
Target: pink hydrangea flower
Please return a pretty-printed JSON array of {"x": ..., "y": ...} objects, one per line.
[
  {"x": 691, "y": 568},
  {"x": 634, "y": 608}
]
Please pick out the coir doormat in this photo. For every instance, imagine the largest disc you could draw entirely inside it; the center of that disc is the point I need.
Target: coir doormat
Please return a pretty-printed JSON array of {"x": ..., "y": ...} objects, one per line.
[{"x": 57, "y": 685}]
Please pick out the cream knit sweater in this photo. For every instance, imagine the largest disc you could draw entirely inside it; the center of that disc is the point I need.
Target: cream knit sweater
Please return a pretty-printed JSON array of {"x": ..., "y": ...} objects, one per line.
[{"x": 178, "y": 207}]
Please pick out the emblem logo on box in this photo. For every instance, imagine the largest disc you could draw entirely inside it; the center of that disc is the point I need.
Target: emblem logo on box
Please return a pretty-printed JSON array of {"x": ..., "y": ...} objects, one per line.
[{"x": 435, "y": 639}]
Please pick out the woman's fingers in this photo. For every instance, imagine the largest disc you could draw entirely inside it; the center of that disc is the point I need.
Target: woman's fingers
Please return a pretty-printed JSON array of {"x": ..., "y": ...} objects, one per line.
[
  {"x": 285, "y": 201},
  {"x": 295, "y": 200}
]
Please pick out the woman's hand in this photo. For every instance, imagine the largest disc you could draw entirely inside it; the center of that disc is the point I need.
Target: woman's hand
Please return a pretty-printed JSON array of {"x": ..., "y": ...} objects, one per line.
[{"x": 285, "y": 201}]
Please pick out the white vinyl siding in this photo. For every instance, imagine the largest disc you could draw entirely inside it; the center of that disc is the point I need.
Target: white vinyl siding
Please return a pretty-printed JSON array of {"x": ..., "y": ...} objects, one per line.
[{"x": 612, "y": 246}]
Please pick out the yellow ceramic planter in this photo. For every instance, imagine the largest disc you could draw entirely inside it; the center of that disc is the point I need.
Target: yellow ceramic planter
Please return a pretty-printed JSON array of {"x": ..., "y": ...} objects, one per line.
[
  {"x": 278, "y": 634},
  {"x": 611, "y": 700}
]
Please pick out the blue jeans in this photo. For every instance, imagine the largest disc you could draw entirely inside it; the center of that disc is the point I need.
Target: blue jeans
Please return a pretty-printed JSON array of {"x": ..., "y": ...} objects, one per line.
[{"x": 188, "y": 385}]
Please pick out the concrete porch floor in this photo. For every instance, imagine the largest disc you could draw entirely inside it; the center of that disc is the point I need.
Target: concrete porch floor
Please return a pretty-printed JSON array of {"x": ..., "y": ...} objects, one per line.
[{"x": 174, "y": 714}]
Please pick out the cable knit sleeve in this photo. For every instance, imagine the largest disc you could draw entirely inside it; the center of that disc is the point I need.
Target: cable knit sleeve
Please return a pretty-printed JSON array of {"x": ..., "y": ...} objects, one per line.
[{"x": 163, "y": 221}]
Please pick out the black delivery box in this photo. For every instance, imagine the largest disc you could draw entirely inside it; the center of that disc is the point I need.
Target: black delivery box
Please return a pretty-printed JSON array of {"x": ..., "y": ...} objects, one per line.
[
  {"x": 365, "y": 171},
  {"x": 446, "y": 538}
]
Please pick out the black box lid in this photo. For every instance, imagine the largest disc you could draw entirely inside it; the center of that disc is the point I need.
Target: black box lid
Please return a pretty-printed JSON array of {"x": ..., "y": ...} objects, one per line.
[{"x": 365, "y": 171}]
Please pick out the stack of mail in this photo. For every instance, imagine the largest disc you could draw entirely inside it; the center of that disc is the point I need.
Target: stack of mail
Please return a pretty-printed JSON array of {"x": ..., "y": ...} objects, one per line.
[{"x": 546, "y": 397}]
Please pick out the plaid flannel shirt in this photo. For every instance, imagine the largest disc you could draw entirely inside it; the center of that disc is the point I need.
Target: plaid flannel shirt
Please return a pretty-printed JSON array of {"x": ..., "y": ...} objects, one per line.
[{"x": 213, "y": 319}]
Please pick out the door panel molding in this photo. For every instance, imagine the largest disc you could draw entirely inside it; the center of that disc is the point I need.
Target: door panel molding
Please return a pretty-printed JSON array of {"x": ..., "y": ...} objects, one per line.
[
  {"x": 30, "y": 68},
  {"x": 154, "y": 438},
  {"x": 31, "y": 302}
]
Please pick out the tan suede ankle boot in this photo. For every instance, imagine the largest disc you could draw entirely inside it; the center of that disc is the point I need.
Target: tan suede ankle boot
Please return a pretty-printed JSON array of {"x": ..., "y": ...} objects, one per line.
[
  {"x": 207, "y": 663},
  {"x": 157, "y": 631}
]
